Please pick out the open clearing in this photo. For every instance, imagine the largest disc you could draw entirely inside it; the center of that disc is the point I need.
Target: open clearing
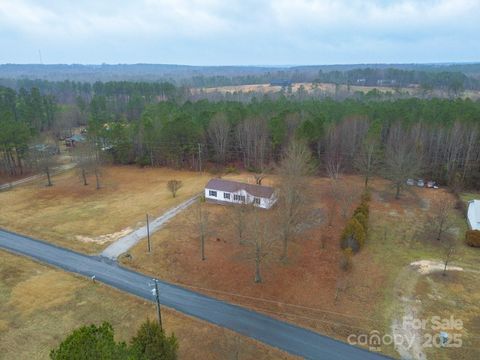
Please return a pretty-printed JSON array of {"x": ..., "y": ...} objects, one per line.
[
  {"x": 326, "y": 89},
  {"x": 411, "y": 258},
  {"x": 85, "y": 219},
  {"x": 39, "y": 305},
  {"x": 309, "y": 289},
  {"x": 303, "y": 289}
]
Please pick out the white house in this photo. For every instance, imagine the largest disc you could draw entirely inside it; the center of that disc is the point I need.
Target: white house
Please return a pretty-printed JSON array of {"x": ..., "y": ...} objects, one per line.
[
  {"x": 228, "y": 191},
  {"x": 473, "y": 214}
]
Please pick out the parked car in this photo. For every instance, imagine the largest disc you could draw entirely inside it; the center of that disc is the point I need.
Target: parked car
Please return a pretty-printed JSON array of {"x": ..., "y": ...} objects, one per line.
[
  {"x": 410, "y": 182},
  {"x": 431, "y": 184},
  {"x": 420, "y": 183}
]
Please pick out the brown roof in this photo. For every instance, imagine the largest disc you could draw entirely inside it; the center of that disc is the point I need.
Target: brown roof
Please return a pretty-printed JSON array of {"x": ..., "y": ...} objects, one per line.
[{"x": 234, "y": 186}]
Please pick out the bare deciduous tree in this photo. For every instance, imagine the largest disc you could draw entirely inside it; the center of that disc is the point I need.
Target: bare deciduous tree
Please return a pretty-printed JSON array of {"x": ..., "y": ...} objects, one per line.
[
  {"x": 98, "y": 173},
  {"x": 367, "y": 160},
  {"x": 219, "y": 132},
  {"x": 253, "y": 140},
  {"x": 402, "y": 158},
  {"x": 333, "y": 165},
  {"x": 173, "y": 186},
  {"x": 341, "y": 285},
  {"x": 200, "y": 221},
  {"x": 97, "y": 162},
  {"x": 261, "y": 240},
  {"x": 342, "y": 142},
  {"x": 324, "y": 239},
  {"x": 239, "y": 216},
  {"x": 259, "y": 178},
  {"x": 85, "y": 157},
  {"x": 294, "y": 167},
  {"x": 331, "y": 211},
  {"x": 440, "y": 217},
  {"x": 344, "y": 195},
  {"x": 450, "y": 250},
  {"x": 44, "y": 160}
]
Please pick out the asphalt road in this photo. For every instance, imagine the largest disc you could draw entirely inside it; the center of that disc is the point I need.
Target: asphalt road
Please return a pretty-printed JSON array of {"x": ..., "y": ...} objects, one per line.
[{"x": 276, "y": 333}]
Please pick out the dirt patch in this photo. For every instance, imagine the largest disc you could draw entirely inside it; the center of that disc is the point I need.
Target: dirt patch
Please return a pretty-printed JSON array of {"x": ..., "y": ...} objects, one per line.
[
  {"x": 410, "y": 293},
  {"x": 425, "y": 267},
  {"x": 407, "y": 307},
  {"x": 103, "y": 239}
]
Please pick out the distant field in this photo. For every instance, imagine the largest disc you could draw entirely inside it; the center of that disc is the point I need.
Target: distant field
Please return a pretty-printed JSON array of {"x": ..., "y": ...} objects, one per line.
[
  {"x": 39, "y": 306},
  {"x": 325, "y": 88},
  {"x": 85, "y": 219}
]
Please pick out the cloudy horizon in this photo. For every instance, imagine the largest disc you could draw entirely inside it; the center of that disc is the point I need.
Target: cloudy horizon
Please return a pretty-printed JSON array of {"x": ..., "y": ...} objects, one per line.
[{"x": 261, "y": 33}]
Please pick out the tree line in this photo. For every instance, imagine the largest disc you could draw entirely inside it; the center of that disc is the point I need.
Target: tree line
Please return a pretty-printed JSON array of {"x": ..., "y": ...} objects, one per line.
[
  {"x": 68, "y": 92},
  {"x": 453, "y": 81},
  {"x": 23, "y": 115},
  {"x": 435, "y": 139},
  {"x": 439, "y": 136}
]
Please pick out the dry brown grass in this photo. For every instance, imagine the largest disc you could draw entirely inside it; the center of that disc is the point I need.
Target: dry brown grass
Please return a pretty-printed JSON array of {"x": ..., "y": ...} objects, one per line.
[
  {"x": 456, "y": 294},
  {"x": 397, "y": 238},
  {"x": 308, "y": 278},
  {"x": 68, "y": 210},
  {"x": 39, "y": 306},
  {"x": 311, "y": 275},
  {"x": 327, "y": 88}
]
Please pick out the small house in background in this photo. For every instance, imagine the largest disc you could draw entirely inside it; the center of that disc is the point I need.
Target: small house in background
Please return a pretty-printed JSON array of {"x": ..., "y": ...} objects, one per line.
[
  {"x": 234, "y": 192},
  {"x": 473, "y": 214},
  {"x": 72, "y": 140}
]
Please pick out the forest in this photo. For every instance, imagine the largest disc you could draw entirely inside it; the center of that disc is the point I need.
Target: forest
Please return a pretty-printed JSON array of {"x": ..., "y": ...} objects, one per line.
[{"x": 152, "y": 124}]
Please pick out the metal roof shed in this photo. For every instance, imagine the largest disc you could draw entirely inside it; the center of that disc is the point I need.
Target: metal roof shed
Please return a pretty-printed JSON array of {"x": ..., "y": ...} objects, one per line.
[{"x": 473, "y": 214}]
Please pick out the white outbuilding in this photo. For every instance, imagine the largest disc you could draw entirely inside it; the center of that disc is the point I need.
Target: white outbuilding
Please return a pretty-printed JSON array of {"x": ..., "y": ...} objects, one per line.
[
  {"x": 473, "y": 214},
  {"x": 228, "y": 191}
]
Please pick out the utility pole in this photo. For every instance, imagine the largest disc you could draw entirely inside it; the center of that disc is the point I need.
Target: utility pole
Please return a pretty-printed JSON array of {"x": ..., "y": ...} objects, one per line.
[
  {"x": 157, "y": 297},
  {"x": 148, "y": 235},
  {"x": 200, "y": 156}
]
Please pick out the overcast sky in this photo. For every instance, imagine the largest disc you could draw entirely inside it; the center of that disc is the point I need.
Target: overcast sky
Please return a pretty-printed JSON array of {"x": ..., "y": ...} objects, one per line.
[{"x": 239, "y": 32}]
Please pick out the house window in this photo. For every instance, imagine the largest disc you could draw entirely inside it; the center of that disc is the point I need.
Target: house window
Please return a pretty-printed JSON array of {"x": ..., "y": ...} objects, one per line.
[
  {"x": 239, "y": 198},
  {"x": 256, "y": 201},
  {"x": 212, "y": 193},
  {"x": 226, "y": 196}
]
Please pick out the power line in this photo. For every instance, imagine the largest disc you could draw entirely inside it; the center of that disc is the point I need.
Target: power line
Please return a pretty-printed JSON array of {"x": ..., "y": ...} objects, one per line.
[{"x": 276, "y": 302}]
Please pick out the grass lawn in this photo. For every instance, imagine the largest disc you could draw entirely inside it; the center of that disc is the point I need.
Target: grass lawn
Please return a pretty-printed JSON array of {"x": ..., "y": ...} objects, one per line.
[
  {"x": 40, "y": 305},
  {"x": 85, "y": 219},
  {"x": 396, "y": 239},
  {"x": 469, "y": 196},
  {"x": 457, "y": 294}
]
